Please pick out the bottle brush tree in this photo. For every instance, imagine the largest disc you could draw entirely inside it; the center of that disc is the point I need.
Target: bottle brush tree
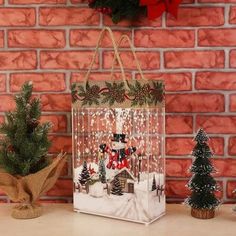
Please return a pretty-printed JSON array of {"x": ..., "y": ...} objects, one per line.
[
  {"x": 202, "y": 185},
  {"x": 154, "y": 185},
  {"x": 116, "y": 187},
  {"x": 24, "y": 145},
  {"x": 102, "y": 171},
  {"x": 84, "y": 176}
]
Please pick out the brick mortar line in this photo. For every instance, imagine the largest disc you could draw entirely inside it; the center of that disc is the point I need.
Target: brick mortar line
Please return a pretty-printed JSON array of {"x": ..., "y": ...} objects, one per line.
[
  {"x": 136, "y": 28},
  {"x": 7, "y": 83},
  {"x": 227, "y": 15},
  {"x": 67, "y": 81},
  {"x": 164, "y": 71},
  {"x": 226, "y": 148},
  {"x": 227, "y": 103},
  {"x": 37, "y": 16},
  {"x": 227, "y": 57},
  {"x": 123, "y": 49},
  {"x": 67, "y": 39}
]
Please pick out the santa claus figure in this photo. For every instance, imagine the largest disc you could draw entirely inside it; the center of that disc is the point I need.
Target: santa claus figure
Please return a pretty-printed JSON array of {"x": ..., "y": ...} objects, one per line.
[{"x": 118, "y": 154}]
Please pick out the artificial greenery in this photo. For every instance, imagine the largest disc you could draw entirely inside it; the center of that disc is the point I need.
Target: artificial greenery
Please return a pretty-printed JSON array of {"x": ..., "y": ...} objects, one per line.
[
  {"x": 115, "y": 92},
  {"x": 202, "y": 184},
  {"x": 137, "y": 94},
  {"x": 24, "y": 145},
  {"x": 102, "y": 171},
  {"x": 119, "y": 9},
  {"x": 90, "y": 94},
  {"x": 116, "y": 187},
  {"x": 84, "y": 176},
  {"x": 154, "y": 184}
]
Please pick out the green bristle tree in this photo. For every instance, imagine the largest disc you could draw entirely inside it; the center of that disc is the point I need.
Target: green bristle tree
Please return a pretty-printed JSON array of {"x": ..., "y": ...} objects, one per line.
[
  {"x": 202, "y": 184},
  {"x": 24, "y": 145}
]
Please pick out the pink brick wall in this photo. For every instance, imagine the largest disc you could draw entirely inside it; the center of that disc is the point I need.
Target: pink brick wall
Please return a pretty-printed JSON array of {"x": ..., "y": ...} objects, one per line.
[{"x": 51, "y": 42}]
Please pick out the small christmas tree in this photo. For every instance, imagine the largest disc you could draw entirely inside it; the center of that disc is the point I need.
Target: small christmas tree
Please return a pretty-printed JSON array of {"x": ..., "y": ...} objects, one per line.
[
  {"x": 24, "y": 148},
  {"x": 203, "y": 186},
  {"x": 154, "y": 185},
  {"x": 102, "y": 172},
  {"x": 84, "y": 176},
  {"x": 116, "y": 187}
]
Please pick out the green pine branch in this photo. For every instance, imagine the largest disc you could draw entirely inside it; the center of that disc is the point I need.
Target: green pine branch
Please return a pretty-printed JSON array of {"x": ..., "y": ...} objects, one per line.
[{"x": 24, "y": 146}]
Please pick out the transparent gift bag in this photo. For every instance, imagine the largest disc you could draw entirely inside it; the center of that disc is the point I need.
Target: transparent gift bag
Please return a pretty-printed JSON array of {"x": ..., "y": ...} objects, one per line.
[{"x": 118, "y": 144}]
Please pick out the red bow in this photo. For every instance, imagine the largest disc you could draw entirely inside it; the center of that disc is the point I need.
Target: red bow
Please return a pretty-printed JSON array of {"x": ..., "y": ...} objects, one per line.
[
  {"x": 155, "y": 8},
  {"x": 91, "y": 170}
]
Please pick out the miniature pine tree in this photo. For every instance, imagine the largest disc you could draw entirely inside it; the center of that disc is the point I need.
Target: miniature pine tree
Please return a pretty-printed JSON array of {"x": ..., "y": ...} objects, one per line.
[
  {"x": 84, "y": 176},
  {"x": 24, "y": 148},
  {"x": 116, "y": 187},
  {"x": 102, "y": 172},
  {"x": 154, "y": 185},
  {"x": 202, "y": 184}
]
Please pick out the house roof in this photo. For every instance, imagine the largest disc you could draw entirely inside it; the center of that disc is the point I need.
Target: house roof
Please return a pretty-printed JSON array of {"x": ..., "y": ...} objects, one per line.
[{"x": 127, "y": 170}]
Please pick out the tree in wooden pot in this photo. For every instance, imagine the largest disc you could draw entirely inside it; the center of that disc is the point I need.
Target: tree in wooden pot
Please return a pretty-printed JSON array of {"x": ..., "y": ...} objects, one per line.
[
  {"x": 202, "y": 185},
  {"x": 26, "y": 171}
]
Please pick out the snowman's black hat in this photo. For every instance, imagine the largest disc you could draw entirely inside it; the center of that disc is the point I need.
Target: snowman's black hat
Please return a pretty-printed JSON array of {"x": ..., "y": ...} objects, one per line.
[{"x": 119, "y": 138}]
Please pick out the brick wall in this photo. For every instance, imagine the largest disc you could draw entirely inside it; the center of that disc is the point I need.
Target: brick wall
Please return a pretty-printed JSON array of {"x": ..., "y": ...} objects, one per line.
[{"x": 51, "y": 42}]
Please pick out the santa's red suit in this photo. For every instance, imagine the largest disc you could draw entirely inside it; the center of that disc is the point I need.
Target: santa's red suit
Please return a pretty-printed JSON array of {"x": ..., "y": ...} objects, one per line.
[{"x": 118, "y": 159}]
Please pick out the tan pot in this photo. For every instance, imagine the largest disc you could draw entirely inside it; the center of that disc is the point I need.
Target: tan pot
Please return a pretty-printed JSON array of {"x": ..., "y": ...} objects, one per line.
[
  {"x": 202, "y": 213},
  {"x": 23, "y": 211},
  {"x": 27, "y": 190}
]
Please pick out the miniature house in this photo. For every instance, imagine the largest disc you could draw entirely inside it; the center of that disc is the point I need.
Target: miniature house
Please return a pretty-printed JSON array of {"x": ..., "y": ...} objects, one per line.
[{"x": 127, "y": 180}]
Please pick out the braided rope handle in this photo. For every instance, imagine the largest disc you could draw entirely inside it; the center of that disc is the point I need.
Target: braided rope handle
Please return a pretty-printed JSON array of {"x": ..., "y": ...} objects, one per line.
[
  {"x": 132, "y": 49},
  {"x": 117, "y": 56}
]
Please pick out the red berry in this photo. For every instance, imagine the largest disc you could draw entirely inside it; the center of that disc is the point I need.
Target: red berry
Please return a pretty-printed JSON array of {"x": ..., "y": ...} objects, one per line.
[
  {"x": 104, "y": 9},
  {"x": 109, "y": 11}
]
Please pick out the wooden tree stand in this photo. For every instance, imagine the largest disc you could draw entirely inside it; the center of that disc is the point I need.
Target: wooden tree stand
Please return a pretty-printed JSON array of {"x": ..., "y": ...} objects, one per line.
[{"x": 202, "y": 213}]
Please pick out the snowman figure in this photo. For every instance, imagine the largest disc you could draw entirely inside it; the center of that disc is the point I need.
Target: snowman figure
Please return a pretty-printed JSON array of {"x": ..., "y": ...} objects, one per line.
[{"x": 118, "y": 154}]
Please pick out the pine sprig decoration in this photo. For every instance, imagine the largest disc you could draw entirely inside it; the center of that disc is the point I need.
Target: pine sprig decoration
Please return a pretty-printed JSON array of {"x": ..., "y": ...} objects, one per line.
[
  {"x": 24, "y": 147},
  {"x": 115, "y": 93},
  {"x": 202, "y": 185},
  {"x": 119, "y": 9},
  {"x": 89, "y": 94},
  {"x": 139, "y": 93}
]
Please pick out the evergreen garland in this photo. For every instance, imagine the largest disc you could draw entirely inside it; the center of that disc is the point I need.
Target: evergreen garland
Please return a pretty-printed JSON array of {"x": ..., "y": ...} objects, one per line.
[
  {"x": 202, "y": 184},
  {"x": 118, "y": 10},
  {"x": 24, "y": 147}
]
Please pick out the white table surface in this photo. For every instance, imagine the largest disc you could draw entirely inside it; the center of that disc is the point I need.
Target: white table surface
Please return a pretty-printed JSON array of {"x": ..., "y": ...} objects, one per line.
[{"x": 61, "y": 220}]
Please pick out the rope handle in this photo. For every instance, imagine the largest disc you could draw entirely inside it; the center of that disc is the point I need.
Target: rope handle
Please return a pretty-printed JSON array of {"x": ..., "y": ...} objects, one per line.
[
  {"x": 132, "y": 49},
  {"x": 117, "y": 56}
]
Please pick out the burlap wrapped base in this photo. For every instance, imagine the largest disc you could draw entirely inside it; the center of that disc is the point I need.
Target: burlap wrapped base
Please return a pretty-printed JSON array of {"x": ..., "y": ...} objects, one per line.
[
  {"x": 28, "y": 211},
  {"x": 203, "y": 213},
  {"x": 28, "y": 189}
]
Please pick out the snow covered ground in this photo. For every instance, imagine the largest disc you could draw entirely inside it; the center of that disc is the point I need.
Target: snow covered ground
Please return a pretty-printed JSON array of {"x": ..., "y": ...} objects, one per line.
[{"x": 141, "y": 206}]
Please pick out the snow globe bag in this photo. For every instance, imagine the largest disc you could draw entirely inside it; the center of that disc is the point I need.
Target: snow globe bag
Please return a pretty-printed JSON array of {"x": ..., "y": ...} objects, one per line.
[{"x": 118, "y": 145}]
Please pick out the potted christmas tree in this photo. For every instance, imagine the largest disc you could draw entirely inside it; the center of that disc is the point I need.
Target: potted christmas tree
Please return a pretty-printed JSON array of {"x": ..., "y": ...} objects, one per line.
[
  {"x": 26, "y": 171},
  {"x": 202, "y": 185}
]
